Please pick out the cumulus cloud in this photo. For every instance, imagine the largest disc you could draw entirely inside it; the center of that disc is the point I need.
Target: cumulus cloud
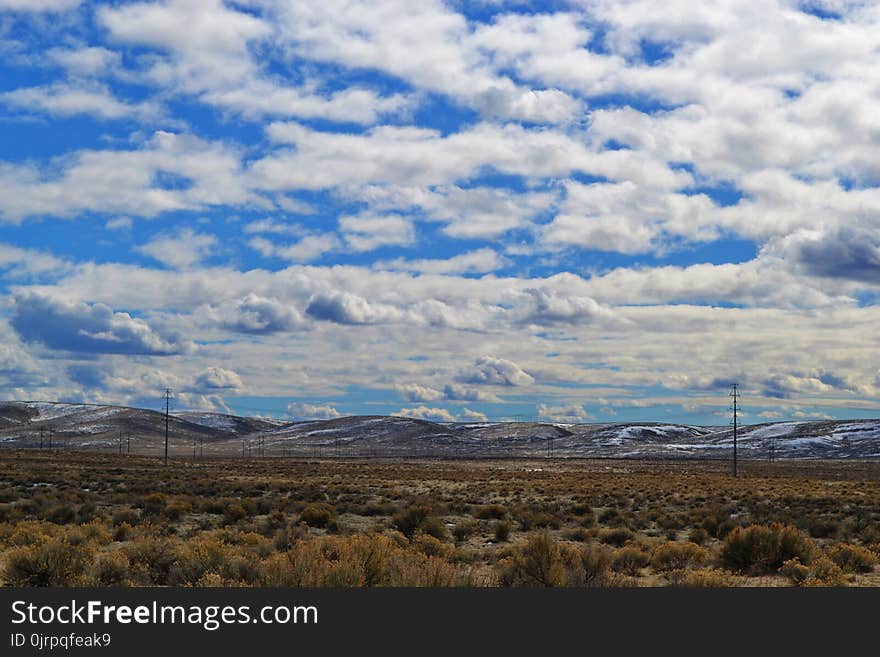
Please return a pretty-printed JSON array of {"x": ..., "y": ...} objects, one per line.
[
  {"x": 850, "y": 253},
  {"x": 427, "y": 413},
  {"x": 17, "y": 263},
  {"x": 208, "y": 51},
  {"x": 490, "y": 370},
  {"x": 347, "y": 308},
  {"x": 65, "y": 100},
  {"x": 458, "y": 392},
  {"x": 571, "y": 413},
  {"x": 468, "y": 415},
  {"x": 307, "y": 249},
  {"x": 217, "y": 378},
  {"x": 414, "y": 392},
  {"x": 305, "y": 411},
  {"x": 547, "y": 306},
  {"x": 126, "y": 181},
  {"x": 366, "y": 232},
  {"x": 89, "y": 328},
  {"x": 473, "y": 262},
  {"x": 259, "y": 315},
  {"x": 180, "y": 250}
]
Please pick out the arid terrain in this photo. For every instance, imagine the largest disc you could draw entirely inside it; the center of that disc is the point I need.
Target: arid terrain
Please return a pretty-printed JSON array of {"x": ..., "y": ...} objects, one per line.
[{"x": 80, "y": 517}]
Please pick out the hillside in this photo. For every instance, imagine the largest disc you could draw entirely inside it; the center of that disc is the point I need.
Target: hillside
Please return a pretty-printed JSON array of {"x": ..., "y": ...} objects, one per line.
[{"x": 140, "y": 431}]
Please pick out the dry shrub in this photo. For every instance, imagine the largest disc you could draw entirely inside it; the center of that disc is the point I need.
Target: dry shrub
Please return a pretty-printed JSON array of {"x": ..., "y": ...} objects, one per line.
[
  {"x": 537, "y": 563},
  {"x": 464, "y": 530},
  {"x": 318, "y": 515},
  {"x": 853, "y": 558},
  {"x": 50, "y": 564},
  {"x": 796, "y": 572},
  {"x": 199, "y": 557},
  {"x": 125, "y": 516},
  {"x": 677, "y": 556},
  {"x": 616, "y": 537},
  {"x": 30, "y": 532},
  {"x": 501, "y": 531},
  {"x": 233, "y": 512},
  {"x": 825, "y": 572},
  {"x": 361, "y": 560},
  {"x": 698, "y": 535},
  {"x": 93, "y": 533},
  {"x": 596, "y": 563},
  {"x": 491, "y": 512},
  {"x": 821, "y": 572},
  {"x": 577, "y": 534},
  {"x": 759, "y": 549},
  {"x": 630, "y": 560},
  {"x": 430, "y": 545},
  {"x": 111, "y": 569},
  {"x": 700, "y": 578},
  {"x": 410, "y": 519},
  {"x": 151, "y": 559}
]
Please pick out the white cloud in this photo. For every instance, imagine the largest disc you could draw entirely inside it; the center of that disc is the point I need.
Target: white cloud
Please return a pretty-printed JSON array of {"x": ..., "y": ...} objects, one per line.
[
  {"x": 427, "y": 413},
  {"x": 413, "y": 392},
  {"x": 472, "y": 262},
  {"x": 39, "y": 5},
  {"x": 86, "y": 61},
  {"x": 209, "y": 51},
  {"x": 259, "y": 315},
  {"x": 125, "y": 181},
  {"x": 304, "y": 411},
  {"x": 64, "y": 100},
  {"x": 571, "y": 413},
  {"x": 426, "y": 44},
  {"x": 347, "y": 308},
  {"x": 307, "y": 249},
  {"x": 119, "y": 223},
  {"x": 491, "y": 370},
  {"x": 180, "y": 250},
  {"x": 367, "y": 232},
  {"x": 217, "y": 378},
  {"x": 408, "y": 156},
  {"x": 17, "y": 263},
  {"x": 468, "y": 415},
  {"x": 96, "y": 328}
]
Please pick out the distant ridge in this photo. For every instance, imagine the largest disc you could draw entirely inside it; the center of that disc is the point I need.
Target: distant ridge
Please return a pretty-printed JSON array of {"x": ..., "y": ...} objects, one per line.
[{"x": 201, "y": 434}]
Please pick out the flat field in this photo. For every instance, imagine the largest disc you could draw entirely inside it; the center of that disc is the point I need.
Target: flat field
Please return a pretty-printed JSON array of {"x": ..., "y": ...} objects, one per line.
[{"x": 74, "y": 518}]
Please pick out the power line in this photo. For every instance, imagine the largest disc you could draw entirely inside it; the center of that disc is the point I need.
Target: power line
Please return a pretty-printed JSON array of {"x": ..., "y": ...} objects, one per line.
[
  {"x": 734, "y": 393},
  {"x": 167, "y": 410}
]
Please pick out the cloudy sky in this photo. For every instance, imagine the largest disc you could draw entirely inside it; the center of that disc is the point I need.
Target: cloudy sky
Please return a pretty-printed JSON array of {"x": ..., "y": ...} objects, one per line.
[{"x": 589, "y": 210}]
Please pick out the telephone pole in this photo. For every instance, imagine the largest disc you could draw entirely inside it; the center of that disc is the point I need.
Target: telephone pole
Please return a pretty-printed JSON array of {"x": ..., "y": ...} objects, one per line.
[
  {"x": 167, "y": 409},
  {"x": 734, "y": 393}
]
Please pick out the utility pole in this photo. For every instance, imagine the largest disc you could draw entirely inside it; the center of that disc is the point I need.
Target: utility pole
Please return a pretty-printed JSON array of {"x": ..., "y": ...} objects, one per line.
[
  {"x": 735, "y": 395},
  {"x": 167, "y": 409}
]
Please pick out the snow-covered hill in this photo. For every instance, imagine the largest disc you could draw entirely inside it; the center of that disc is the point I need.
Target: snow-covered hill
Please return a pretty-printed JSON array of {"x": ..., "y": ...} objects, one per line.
[{"x": 114, "y": 428}]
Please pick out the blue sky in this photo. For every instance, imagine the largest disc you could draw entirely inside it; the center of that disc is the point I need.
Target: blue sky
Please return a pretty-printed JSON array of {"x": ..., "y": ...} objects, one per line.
[{"x": 596, "y": 210}]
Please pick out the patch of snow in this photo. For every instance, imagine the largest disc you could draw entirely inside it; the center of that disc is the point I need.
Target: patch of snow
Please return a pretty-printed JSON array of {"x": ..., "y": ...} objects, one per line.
[{"x": 211, "y": 420}]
